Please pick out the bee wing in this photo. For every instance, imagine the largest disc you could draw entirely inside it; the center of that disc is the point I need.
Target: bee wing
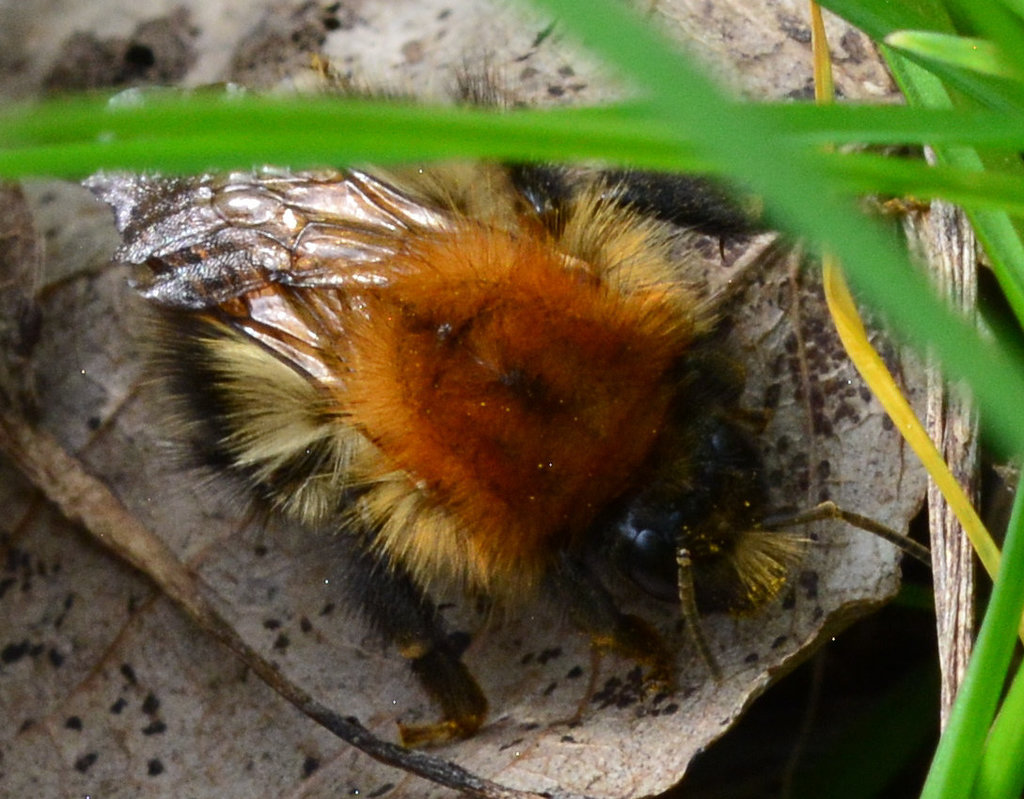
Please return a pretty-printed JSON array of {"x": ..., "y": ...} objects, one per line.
[{"x": 213, "y": 238}]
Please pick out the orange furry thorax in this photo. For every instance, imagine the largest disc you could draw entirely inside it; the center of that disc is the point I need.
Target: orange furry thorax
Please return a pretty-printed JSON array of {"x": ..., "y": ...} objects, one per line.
[{"x": 517, "y": 387}]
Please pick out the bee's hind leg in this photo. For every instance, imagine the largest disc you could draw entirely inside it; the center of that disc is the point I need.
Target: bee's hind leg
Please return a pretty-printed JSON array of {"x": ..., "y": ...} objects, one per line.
[{"x": 402, "y": 613}]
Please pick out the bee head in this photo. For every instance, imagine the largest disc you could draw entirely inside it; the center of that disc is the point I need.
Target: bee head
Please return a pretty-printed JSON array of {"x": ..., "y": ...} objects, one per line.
[{"x": 694, "y": 527}]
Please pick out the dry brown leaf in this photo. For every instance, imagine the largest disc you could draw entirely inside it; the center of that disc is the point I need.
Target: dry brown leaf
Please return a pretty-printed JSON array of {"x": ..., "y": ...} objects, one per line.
[{"x": 111, "y": 691}]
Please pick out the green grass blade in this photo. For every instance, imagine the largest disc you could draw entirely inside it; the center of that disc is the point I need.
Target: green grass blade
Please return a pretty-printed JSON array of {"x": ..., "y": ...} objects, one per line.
[
  {"x": 961, "y": 52},
  {"x": 183, "y": 133},
  {"x": 72, "y": 137},
  {"x": 1002, "y": 766},
  {"x": 872, "y": 174},
  {"x": 958, "y": 758}
]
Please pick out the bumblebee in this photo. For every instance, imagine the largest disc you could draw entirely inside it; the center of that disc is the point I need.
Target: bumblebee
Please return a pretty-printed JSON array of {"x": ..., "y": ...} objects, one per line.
[{"x": 487, "y": 377}]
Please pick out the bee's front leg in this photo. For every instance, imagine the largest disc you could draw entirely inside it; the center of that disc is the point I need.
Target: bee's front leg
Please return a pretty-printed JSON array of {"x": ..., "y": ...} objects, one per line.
[{"x": 593, "y": 610}]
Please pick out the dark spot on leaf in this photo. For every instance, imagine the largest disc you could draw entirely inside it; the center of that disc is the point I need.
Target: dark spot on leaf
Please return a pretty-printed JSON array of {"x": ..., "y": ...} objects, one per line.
[
  {"x": 309, "y": 765},
  {"x": 150, "y": 704},
  {"x": 808, "y": 581},
  {"x": 12, "y": 653},
  {"x": 139, "y": 56},
  {"x": 154, "y": 728}
]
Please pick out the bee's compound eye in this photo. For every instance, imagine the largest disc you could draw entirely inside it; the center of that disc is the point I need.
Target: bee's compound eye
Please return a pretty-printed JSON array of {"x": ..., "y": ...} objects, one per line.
[{"x": 648, "y": 557}]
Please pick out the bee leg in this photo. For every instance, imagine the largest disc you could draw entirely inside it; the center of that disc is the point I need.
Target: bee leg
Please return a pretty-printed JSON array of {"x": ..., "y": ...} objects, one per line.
[
  {"x": 400, "y": 612},
  {"x": 593, "y": 610},
  {"x": 829, "y": 510},
  {"x": 463, "y": 705},
  {"x": 688, "y": 608}
]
